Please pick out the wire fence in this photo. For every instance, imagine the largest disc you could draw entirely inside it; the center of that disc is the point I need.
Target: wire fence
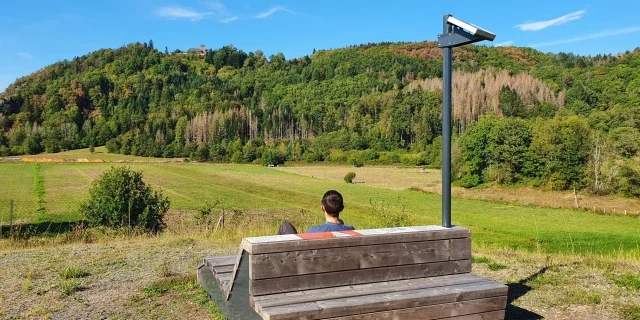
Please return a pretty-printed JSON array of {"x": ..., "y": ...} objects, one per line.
[{"x": 22, "y": 215}]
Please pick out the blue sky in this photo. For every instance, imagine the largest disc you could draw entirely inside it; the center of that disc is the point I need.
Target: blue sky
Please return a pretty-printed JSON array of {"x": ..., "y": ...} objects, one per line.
[{"x": 36, "y": 33}]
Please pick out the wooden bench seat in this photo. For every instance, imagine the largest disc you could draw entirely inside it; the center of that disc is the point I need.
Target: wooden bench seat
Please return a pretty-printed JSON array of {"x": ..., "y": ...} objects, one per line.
[
  {"x": 397, "y": 273},
  {"x": 461, "y": 295}
]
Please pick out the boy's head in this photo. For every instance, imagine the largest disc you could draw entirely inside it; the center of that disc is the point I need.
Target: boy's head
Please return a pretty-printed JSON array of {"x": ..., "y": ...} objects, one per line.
[{"x": 332, "y": 203}]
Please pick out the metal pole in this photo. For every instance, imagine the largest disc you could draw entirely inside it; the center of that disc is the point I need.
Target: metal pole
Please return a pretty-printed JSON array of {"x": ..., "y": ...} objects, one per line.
[{"x": 446, "y": 129}]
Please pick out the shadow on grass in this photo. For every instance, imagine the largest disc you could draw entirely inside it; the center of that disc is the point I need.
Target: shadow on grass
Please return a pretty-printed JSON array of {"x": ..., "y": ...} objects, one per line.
[
  {"x": 28, "y": 230},
  {"x": 517, "y": 290}
]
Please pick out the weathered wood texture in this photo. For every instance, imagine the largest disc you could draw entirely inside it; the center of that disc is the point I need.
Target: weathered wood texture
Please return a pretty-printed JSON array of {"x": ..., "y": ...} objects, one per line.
[
  {"x": 222, "y": 269},
  {"x": 491, "y": 315},
  {"x": 273, "y": 300},
  {"x": 283, "y": 264},
  {"x": 373, "y": 303},
  {"x": 242, "y": 255},
  {"x": 285, "y": 246},
  {"x": 220, "y": 261},
  {"x": 351, "y": 277}
]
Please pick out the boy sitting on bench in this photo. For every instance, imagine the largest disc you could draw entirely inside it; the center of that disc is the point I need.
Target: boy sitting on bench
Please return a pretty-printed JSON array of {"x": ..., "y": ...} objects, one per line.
[{"x": 332, "y": 205}]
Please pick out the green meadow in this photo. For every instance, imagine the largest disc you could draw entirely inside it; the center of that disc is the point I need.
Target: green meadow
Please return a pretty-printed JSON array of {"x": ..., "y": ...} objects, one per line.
[{"x": 266, "y": 191}]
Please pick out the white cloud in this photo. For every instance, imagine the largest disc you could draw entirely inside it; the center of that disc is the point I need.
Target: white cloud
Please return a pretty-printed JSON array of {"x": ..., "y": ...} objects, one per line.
[
  {"x": 228, "y": 20},
  {"x": 504, "y": 44},
  {"x": 216, "y": 8},
  {"x": 180, "y": 13},
  {"x": 539, "y": 25},
  {"x": 271, "y": 11},
  {"x": 603, "y": 34},
  {"x": 25, "y": 55}
]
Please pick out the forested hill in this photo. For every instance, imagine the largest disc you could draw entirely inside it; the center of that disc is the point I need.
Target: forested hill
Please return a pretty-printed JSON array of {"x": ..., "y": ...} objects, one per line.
[{"x": 547, "y": 113}]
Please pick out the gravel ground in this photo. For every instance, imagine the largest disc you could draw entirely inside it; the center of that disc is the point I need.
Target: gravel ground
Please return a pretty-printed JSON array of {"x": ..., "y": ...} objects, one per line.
[{"x": 117, "y": 274}]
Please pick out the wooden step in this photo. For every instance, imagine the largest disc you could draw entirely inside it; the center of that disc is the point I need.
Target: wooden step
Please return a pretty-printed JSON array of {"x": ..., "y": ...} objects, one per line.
[
  {"x": 222, "y": 268},
  {"x": 445, "y": 296}
]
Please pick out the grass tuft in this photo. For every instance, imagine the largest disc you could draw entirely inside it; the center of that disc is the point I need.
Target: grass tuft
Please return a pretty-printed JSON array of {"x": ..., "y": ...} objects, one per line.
[
  {"x": 176, "y": 283},
  {"x": 68, "y": 287},
  {"x": 492, "y": 265},
  {"x": 628, "y": 280},
  {"x": 73, "y": 273},
  {"x": 164, "y": 270},
  {"x": 631, "y": 312}
]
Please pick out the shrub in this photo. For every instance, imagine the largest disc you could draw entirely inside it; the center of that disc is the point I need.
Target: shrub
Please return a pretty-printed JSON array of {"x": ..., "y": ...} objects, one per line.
[
  {"x": 120, "y": 198},
  {"x": 349, "y": 177},
  {"x": 469, "y": 181},
  {"x": 355, "y": 161},
  {"x": 92, "y": 149}
]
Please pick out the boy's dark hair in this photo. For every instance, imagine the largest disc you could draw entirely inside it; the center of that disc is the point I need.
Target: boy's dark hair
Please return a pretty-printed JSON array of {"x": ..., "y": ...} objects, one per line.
[{"x": 332, "y": 202}]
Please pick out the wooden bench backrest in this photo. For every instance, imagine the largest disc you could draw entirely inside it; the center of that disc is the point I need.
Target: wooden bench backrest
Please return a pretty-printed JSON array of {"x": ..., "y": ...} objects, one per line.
[{"x": 291, "y": 263}]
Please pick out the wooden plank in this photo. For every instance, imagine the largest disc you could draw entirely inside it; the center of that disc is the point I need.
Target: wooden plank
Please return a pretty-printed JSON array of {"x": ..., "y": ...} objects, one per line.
[
  {"x": 364, "y": 289},
  {"x": 493, "y": 315},
  {"x": 351, "y": 277},
  {"x": 224, "y": 277},
  {"x": 224, "y": 269},
  {"x": 460, "y": 249},
  {"x": 296, "y": 245},
  {"x": 239, "y": 257},
  {"x": 386, "y": 301},
  {"x": 220, "y": 261},
  {"x": 283, "y": 264},
  {"x": 440, "y": 311}
]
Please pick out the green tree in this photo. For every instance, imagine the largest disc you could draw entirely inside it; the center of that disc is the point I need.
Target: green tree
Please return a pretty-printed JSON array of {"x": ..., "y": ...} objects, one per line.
[
  {"x": 508, "y": 151},
  {"x": 626, "y": 141},
  {"x": 120, "y": 198},
  {"x": 475, "y": 148},
  {"x": 510, "y": 103},
  {"x": 563, "y": 146}
]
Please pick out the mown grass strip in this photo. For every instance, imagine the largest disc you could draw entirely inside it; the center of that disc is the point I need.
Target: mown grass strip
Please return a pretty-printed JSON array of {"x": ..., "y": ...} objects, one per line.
[{"x": 38, "y": 189}]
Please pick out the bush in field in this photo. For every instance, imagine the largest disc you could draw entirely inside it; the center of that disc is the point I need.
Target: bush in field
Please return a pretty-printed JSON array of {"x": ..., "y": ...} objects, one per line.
[
  {"x": 349, "y": 177},
  {"x": 355, "y": 161},
  {"x": 469, "y": 180},
  {"x": 120, "y": 191}
]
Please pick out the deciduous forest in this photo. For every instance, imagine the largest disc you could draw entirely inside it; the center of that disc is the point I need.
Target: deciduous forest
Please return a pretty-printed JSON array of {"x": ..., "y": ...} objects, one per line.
[{"x": 521, "y": 117}]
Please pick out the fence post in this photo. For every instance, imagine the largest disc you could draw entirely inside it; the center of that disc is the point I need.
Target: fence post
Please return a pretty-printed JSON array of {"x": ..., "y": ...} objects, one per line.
[
  {"x": 1, "y": 226},
  {"x": 11, "y": 220}
]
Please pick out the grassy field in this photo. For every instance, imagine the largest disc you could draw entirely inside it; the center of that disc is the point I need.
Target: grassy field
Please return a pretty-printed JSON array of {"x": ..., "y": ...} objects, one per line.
[
  {"x": 401, "y": 178},
  {"x": 250, "y": 188},
  {"x": 558, "y": 263}
]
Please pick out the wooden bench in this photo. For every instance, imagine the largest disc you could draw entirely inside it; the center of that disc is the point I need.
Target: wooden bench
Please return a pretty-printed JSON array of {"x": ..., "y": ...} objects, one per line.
[{"x": 396, "y": 273}]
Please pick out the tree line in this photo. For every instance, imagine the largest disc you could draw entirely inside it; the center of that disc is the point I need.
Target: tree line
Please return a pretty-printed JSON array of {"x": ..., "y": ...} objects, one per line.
[{"x": 521, "y": 116}]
